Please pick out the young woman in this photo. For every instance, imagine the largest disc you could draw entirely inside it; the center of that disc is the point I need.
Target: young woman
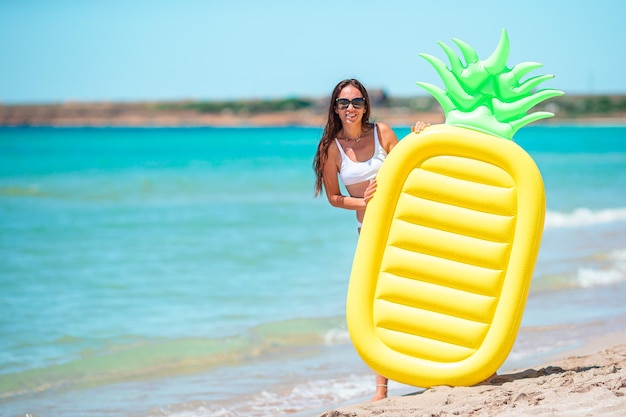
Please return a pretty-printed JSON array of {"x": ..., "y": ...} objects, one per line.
[{"x": 353, "y": 149}]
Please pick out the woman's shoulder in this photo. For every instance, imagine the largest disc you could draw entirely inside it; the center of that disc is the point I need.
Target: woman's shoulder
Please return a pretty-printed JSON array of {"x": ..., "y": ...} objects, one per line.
[
  {"x": 388, "y": 138},
  {"x": 333, "y": 150},
  {"x": 383, "y": 127}
]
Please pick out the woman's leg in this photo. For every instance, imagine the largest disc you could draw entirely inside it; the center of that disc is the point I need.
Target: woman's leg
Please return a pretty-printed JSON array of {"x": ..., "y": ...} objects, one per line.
[{"x": 381, "y": 388}]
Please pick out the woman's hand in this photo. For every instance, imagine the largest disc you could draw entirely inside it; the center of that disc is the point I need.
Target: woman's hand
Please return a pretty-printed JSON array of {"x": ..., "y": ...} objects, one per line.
[
  {"x": 369, "y": 191},
  {"x": 419, "y": 126}
]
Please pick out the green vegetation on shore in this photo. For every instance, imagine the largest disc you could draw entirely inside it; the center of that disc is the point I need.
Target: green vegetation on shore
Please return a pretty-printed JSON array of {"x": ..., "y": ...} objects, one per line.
[
  {"x": 566, "y": 106},
  {"x": 294, "y": 111},
  {"x": 238, "y": 106}
]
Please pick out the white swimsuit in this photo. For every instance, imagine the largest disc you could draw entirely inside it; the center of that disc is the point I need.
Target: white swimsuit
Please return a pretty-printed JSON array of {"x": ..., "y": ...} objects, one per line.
[{"x": 352, "y": 172}]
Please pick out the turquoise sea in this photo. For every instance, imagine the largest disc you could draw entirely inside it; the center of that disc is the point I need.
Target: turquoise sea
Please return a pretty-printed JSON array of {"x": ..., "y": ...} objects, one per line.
[{"x": 190, "y": 272}]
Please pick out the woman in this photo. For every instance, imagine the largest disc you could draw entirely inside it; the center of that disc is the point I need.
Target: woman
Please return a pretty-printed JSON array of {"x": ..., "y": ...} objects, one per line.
[{"x": 353, "y": 149}]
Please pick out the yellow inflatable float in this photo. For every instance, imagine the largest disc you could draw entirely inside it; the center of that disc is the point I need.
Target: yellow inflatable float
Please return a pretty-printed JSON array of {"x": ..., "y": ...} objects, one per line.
[{"x": 449, "y": 242}]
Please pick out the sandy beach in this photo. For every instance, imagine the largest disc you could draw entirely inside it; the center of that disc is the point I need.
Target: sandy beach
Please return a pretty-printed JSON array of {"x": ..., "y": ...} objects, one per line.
[{"x": 590, "y": 381}]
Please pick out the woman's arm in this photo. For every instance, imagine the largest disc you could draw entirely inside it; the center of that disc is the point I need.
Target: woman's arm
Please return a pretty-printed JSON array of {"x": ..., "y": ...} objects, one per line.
[{"x": 331, "y": 183}]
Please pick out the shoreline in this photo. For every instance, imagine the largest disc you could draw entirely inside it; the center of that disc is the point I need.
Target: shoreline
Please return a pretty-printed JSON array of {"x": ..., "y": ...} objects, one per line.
[
  {"x": 136, "y": 115},
  {"x": 587, "y": 380}
]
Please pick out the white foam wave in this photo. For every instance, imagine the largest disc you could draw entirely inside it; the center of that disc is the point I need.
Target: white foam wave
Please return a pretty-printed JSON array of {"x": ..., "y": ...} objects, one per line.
[
  {"x": 310, "y": 395},
  {"x": 614, "y": 272},
  {"x": 336, "y": 336},
  {"x": 585, "y": 217}
]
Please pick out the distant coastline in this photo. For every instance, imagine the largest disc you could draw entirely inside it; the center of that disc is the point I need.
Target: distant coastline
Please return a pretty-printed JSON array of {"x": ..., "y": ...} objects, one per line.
[{"x": 603, "y": 109}]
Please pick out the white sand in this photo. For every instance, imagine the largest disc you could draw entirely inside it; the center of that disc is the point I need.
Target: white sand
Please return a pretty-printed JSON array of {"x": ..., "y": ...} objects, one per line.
[{"x": 583, "y": 384}]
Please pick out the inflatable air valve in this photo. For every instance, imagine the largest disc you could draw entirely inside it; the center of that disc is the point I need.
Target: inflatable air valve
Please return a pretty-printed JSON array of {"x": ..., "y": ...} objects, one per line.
[{"x": 448, "y": 246}]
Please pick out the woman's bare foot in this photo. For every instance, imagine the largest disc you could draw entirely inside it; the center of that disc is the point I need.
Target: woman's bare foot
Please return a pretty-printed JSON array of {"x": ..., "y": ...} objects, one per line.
[
  {"x": 381, "y": 388},
  {"x": 381, "y": 393}
]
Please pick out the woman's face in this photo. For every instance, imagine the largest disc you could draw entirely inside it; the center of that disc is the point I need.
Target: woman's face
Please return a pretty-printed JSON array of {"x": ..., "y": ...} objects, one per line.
[{"x": 354, "y": 111}]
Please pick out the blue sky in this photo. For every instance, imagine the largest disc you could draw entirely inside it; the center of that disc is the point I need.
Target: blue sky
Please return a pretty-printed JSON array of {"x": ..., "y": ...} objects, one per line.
[{"x": 73, "y": 50}]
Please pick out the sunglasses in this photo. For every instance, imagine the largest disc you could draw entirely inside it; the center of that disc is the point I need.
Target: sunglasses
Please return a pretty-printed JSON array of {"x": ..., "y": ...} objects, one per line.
[{"x": 344, "y": 103}]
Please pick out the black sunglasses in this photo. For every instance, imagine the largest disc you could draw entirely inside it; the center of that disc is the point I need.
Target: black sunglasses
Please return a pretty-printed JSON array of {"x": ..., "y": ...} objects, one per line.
[{"x": 344, "y": 103}]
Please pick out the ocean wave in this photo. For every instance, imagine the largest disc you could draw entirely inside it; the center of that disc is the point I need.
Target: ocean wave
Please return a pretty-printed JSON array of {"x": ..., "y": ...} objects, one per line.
[
  {"x": 303, "y": 396},
  {"x": 301, "y": 399},
  {"x": 274, "y": 402},
  {"x": 153, "y": 358},
  {"x": 585, "y": 217},
  {"x": 613, "y": 272},
  {"x": 337, "y": 336}
]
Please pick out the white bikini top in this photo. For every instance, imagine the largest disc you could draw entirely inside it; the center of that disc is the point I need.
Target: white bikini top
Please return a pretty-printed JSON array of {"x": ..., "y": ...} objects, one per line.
[{"x": 355, "y": 172}]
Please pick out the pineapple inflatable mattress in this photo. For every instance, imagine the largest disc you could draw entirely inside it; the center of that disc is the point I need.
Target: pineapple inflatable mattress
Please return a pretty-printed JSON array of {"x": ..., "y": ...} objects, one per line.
[{"x": 446, "y": 254}]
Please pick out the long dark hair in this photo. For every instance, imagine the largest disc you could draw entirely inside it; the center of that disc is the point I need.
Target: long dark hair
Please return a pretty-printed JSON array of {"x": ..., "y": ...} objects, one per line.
[{"x": 333, "y": 126}]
